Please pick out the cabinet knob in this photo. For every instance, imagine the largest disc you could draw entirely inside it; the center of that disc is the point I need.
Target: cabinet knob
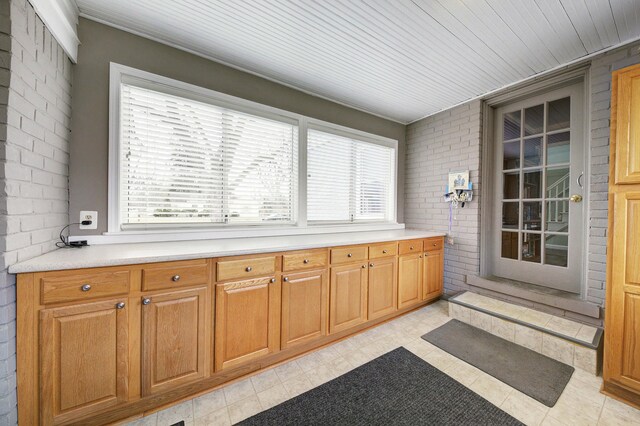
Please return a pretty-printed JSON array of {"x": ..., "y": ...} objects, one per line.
[
  {"x": 146, "y": 301},
  {"x": 435, "y": 244},
  {"x": 411, "y": 248},
  {"x": 272, "y": 280},
  {"x": 86, "y": 287},
  {"x": 120, "y": 305},
  {"x": 420, "y": 256},
  {"x": 349, "y": 255},
  {"x": 364, "y": 266},
  {"x": 305, "y": 261},
  {"x": 371, "y": 264},
  {"x": 384, "y": 251},
  {"x": 175, "y": 278},
  {"x": 426, "y": 254},
  {"x": 248, "y": 269},
  {"x": 285, "y": 279}
]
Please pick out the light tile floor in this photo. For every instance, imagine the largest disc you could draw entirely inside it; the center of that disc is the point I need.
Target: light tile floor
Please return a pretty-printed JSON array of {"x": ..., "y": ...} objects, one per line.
[{"x": 580, "y": 404}]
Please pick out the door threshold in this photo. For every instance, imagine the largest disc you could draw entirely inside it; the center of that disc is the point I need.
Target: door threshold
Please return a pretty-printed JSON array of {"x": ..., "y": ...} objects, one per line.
[{"x": 558, "y": 299}]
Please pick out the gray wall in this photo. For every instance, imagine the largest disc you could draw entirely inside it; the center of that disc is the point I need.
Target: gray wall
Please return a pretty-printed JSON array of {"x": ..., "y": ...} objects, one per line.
[
  {"x": 102, "y": 44},
  {"x": 451, "y": 140},
  {"x": 35, "y": 98}
]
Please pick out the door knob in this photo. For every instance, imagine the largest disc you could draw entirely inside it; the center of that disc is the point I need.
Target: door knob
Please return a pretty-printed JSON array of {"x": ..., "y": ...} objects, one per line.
[{"x": 576, "y": 198}]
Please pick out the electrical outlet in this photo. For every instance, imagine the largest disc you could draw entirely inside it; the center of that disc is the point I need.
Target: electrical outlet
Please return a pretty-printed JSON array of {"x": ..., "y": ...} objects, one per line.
[{"x": 89, "y": 215}]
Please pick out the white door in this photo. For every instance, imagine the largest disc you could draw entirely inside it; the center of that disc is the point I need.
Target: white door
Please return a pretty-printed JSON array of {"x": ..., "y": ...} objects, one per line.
[{"x": 538, "y": 210}]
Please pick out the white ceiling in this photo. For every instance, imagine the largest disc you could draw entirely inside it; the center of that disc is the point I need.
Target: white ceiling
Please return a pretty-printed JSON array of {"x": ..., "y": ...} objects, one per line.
[{"x": 401, "y": 59}]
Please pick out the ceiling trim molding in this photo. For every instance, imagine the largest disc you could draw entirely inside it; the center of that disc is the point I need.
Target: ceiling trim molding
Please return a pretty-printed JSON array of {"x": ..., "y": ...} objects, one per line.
[
  {"x": 230, "y": 65},
  {"x": 61, "y": 19}
]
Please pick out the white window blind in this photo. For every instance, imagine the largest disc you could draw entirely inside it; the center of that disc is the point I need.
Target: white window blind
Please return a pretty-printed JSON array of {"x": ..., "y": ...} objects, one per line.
[
  {"x": 348, "y": 180},
  {"x": 188, "y": 162}
]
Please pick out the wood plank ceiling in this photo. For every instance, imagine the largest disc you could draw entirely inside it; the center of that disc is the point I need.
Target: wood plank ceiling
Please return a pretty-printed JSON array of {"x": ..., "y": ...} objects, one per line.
[{"x": 401, "y": 59}]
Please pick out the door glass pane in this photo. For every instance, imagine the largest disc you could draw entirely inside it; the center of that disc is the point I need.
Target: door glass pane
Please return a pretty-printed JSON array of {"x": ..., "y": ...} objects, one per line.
[
  {"x": 511, "y": 185},
  {"x": 557, "y": 216},
  {"x": 556, "y": 250},
  {"x": 510, "y": 215},
  {"x": 532, "y": 184},
  {"x": 532, "y": 215},
  {"x": 511, "y": 155},
  {"x": 531, "y": 247},
  {"x": 558, "y": 183},
  {"x": 559, "y": 115},
  {"x": 532, "y": 152},
  {"x": 511, "y": 125},
  {"x": 510, "y": 245},
  {"x": 558, "y": 148},
  {"x": 534, "y": 120}
]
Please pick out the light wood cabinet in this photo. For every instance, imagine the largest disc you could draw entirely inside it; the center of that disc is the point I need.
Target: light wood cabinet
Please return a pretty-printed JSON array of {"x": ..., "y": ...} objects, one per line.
[
  {"x": 383, "y": 287},
  {"x": 83, "y": 359},
  {"x": 304, "y": 307},
  {"x": 247, "y": 321},
  {"x": 432, "y": 277},
  {"x": 621, "y": 370},
  {"x": 348, "y": 296},
  {"x": 409, "y": 280},
  {"x": 174, "y": 339}
]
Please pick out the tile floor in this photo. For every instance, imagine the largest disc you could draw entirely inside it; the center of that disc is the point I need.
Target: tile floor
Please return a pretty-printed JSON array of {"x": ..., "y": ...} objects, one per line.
[{"x": 580, "y": 404}]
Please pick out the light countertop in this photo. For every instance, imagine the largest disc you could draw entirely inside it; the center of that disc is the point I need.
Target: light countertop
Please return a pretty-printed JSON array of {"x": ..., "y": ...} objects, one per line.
[{"x": 128, "y": 254}]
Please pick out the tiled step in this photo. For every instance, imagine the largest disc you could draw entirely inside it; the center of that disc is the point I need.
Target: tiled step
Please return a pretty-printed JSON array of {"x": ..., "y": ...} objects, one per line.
[{"x": 559, "y": 338}]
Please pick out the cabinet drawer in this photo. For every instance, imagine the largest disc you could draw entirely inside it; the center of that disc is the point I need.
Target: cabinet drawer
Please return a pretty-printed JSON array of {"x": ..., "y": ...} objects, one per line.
[
  {"x": 383, "y": 250},
  {"x": 433, "y": 244},
  {"x": 84, "y": 286},
  {"x": 349, "y": 254},
  {"x": 410, "y": 246},
  {"x": 304, "y": 260},
  {"x": 245, "y": 268},
  {"x": 175, "y": 274}
]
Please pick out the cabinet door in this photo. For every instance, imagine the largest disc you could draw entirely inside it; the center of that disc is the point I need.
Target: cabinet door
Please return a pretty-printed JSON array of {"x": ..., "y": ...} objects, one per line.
[
  {"x": 174, "y": 343},
  {"x": 409, "y": 280},
  {"x": 432, "y": 278},
  {"x": 383, "y": 287},
  {"x": 83, "y": 359},
  {"x": 624, "y": 124},
  {"x": 247, "y": 321},
  {"x": 348, "y": 299},
  {"x": 304, "y": 307}
]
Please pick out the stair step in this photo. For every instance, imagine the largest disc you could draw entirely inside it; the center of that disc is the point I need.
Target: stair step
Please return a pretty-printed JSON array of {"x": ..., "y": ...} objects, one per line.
[{"x": 559, "y": 338}]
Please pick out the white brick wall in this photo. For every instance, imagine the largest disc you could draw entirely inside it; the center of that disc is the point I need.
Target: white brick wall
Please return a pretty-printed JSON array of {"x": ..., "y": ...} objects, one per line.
[
  {"x": 451, "y": 140},
  {"x": 35, "y": 113}
]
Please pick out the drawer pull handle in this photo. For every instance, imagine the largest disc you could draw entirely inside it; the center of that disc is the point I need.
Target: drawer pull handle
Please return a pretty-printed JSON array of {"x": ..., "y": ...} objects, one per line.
[
  {"x": 371, "y": 265},
  {"x": 146, "y": 301},
  {"x": 285, "y": 279},
  {"x": 120, "y": 305},
  {"x": 435, "y": 244},
  {"x": 248, "y": 269},
  {"x": 272, "y": 280},
  {"x": 175, "y": 278},
  {"x": 86, "y": 287},
  {"x": 384, "y": 252},
  {"x": 305, "y": 261},
  {"x": 349, "y": 255}
]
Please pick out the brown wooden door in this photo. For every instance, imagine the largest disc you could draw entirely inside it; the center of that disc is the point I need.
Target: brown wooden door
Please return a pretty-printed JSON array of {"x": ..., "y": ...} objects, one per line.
[
  {"x": 383, "y": 287},
  {"x": 348, "y": 296},
  {"x": 247, "y": 321},
  {"x": 621, "y": 372},
  {"x": 83, "y": 359},
  {"x": 174, "y": 343},
  {"x": 409, "y": 280},
  {"x": 304, "y": 307},
  {"x": 433, "y": 271}
]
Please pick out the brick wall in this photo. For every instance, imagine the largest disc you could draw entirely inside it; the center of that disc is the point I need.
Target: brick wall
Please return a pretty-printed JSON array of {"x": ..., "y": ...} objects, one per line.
[
  {"x": 451, "y": 140},
  {"x": 35, "y": 114},
  {"x": 446, "y": 142}
]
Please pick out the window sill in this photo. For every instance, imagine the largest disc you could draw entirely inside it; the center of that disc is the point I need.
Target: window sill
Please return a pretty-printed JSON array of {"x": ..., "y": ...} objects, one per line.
[{"x": 149, "y": 236}]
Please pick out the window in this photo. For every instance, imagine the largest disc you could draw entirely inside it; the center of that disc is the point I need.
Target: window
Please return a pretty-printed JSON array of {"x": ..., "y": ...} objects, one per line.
[
  {"x": 189, "y": 162},
  {"x": 190, "y": 159},
  {"x": 348, "y": 180}
]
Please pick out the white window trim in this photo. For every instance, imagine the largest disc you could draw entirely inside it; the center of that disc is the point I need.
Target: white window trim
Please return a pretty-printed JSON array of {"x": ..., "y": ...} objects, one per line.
[{"x": 120, "y": 73}]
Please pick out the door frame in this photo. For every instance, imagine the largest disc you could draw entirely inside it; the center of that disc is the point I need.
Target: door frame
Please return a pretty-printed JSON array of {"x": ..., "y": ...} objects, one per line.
[{"x": 561, "y": 79}]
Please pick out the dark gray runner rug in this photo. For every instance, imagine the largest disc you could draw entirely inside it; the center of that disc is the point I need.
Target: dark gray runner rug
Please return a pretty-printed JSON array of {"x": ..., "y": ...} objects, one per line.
[
  {"x": 397, "y": 388},
  {"x": 533, "y": 374}
]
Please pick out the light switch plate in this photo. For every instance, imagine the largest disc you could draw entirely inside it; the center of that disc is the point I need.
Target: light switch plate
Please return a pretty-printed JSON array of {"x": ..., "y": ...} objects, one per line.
[{"x": 89, "y": 215}]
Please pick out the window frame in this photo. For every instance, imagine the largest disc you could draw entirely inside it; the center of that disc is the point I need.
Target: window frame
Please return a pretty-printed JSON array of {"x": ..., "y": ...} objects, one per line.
[{"x": 123, "y": 74}]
